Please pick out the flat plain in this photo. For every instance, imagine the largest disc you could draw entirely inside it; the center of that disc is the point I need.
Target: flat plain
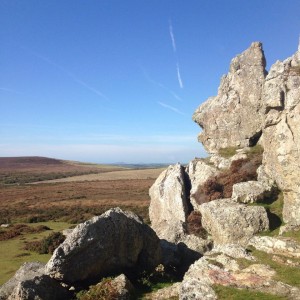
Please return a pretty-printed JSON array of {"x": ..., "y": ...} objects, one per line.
[{"x": 61, "y": 194}]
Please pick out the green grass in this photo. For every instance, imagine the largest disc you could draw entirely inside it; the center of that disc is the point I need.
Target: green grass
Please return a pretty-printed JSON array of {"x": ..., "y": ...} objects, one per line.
[
  {"x": 286, "y": 274},
  {"x": 12, "y": 254},
  {"x": 227, "y": 152},
  {"x": 274, "y": 208},
  {"x": 295, "y": 235},
  {"x": 230, "y": 293}
]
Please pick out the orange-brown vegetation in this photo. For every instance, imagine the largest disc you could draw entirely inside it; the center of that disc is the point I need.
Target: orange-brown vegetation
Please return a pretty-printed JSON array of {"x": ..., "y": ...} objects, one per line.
[
  {"x": 19, "y": 229},
  {"x": 220, "y": 186},
  {"x": 19, "y": 170},
  {"x": 72, "y": 202}
]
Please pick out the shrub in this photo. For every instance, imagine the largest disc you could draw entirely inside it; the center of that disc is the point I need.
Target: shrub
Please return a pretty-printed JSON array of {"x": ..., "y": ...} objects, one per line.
[
  {"x": 220, "y": 186},
  {"x": 194, "y": 225},
  {"x": 19, "y": 229},
  {"x": 47, "y": 245},
  {"x": 105, "y": 290}
]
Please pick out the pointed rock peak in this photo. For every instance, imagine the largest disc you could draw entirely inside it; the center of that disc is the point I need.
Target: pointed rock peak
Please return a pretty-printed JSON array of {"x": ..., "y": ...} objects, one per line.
[{"x": 234, "y": 116}]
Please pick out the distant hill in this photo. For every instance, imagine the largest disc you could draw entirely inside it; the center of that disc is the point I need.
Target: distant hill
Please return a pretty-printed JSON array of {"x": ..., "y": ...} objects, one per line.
[{"x": 19, "y": 170}]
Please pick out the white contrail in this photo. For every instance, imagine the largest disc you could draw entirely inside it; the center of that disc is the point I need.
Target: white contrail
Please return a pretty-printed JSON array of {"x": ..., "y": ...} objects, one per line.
[
  {"x": 8, "y": 90},
  {"x": 179, "y": 76},
  {"x": 175, "y": 53},
  {"x": 162, "y": 86},
  {"x": 67, "y": 72},
  {"x": 172, "y": 36},
  {"x": 171, "y": 108}
]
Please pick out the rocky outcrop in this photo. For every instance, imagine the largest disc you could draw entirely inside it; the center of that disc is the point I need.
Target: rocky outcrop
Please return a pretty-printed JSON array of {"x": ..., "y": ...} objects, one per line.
[
  {"x": 234, "y": 117},
  {"x": 231, "y": 223},
  {"x": 281, "y": 246},
  {"x": 281, "y": 134},
  {"x": 113, "y": 242},
  {"x": 199, "y": 280},
  {"x": 30, "y": 282},
  {"x": 169, "y": 203}
]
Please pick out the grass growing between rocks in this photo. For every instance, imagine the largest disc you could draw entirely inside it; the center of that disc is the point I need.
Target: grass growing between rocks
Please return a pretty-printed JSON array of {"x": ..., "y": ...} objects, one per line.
[
  {"x": 295, "y": 235},
  {"x": 286, "y": 274},
  {"x": 274, "y": 209},
  {"x": 227, "y": 152},
  {"x": 230, "y": 293},
  {"x": 13, "y": 255}
]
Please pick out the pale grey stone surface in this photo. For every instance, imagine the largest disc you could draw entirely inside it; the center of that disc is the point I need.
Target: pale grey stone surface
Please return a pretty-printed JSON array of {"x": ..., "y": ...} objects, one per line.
[
  {"x": 199, "y": 172},
  {"x": 112, "y": 242},
  {"x": 234, "y": 117},
  {"x": 169, "y": 205},
  {"x": 30, "y": 282},
  {"x": 281, "y": 133},
  {"x": 231, "y": 223},
  {"x": 250, "y": 192}
]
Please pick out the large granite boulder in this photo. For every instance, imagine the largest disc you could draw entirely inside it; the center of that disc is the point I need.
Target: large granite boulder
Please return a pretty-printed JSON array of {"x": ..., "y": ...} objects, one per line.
[
  {"x": 232, "y": 223},
  {"x": 169, "y": 203},
  {"x": 234, "y": 117},
  {"x": 281, "y": 133},
  {"x": 30, "y": 282},
  {"x": 111, "y": 243}
]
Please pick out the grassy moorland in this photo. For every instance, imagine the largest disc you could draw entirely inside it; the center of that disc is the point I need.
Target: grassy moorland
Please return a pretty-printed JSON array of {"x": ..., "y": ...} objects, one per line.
[{"x": 62, "y": 204}]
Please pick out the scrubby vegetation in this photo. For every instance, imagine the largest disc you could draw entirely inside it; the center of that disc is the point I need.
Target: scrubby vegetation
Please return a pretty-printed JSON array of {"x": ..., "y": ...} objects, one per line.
[
  {"x": 194, "y": 225},
  {"x": 227, "y": 152},
  {"x": 104, "y": 290},
  {"x": 47, "y": 245},
  {"x": 22, "y": 178},
  {"x": 220, "y": 186},
  {"x": 19, "y": 229}
]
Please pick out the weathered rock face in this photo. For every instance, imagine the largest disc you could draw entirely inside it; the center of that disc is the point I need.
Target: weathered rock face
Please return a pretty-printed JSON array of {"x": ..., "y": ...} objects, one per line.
[
  {"x": 199, "y": 280},
  {"x": 250, "y": 192},
  {"x": 231, "y": 223},
  {"x": 169, "y": 205},
  {"x": 281, "y": 134},
  {"x": 30, "y": 282},
  {"x": 234, "y": 117},
  {"x": 112, "y": 242},
  {"x": 281, "y": 246},
  {"x": 199, "y": 172}
]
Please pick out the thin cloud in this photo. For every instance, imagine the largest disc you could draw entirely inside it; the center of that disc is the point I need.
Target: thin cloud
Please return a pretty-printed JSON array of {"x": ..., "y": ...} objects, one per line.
[
  {"x": 172, "y": 36},
  {"x": 171, "y": 108},
  {"x": 179, "y": 76},
  {"x": 162, "y": 86},
  {"x": 8, "y": 90},
  {"x": 175, "y": 53},
  {"x": 68, "y": 73}
]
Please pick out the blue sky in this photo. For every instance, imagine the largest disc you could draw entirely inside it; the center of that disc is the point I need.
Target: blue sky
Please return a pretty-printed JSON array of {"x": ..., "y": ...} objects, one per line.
[{"x": 110, "y": 81}]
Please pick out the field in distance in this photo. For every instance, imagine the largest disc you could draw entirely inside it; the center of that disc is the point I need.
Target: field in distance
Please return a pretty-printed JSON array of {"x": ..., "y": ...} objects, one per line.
[
  {"x": 69, "y": 190},
  {"x": 67, "y": 193}
]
